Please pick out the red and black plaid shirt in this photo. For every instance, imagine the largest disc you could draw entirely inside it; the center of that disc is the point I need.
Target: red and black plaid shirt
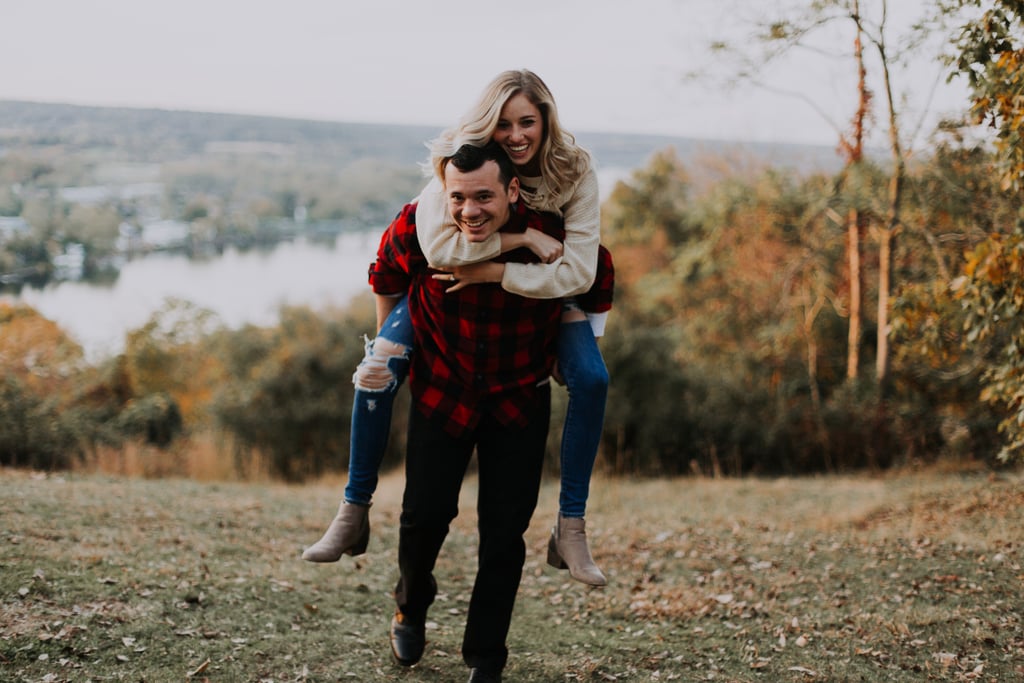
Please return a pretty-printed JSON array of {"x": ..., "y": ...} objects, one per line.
[{"x": 480, "y": 350}]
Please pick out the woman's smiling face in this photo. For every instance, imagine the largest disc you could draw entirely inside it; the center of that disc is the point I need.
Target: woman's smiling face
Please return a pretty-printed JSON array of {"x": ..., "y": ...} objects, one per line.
[{"x": 520, "y": 132}]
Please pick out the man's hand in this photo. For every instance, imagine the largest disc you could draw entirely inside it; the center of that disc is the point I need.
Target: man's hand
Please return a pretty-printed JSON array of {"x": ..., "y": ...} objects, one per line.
[
  {"x": 478, "y": 273},
  {"x": 546, "y": 247}
]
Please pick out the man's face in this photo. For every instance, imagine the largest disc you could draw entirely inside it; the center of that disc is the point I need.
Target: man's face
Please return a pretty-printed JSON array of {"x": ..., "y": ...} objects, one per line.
[{"x": 478, "y": 201}]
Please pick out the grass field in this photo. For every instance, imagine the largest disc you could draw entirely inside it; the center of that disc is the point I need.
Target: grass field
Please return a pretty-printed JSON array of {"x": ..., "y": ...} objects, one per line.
[{"x": 916, "y": 577}]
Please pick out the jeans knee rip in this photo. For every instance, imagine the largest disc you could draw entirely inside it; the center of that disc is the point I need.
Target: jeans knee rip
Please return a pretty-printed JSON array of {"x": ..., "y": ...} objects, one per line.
[{"x": 376, "y": 373}]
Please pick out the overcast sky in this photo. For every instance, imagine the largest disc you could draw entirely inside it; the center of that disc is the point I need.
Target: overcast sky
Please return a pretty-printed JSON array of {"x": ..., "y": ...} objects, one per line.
[{"x": 613, "y": 65}]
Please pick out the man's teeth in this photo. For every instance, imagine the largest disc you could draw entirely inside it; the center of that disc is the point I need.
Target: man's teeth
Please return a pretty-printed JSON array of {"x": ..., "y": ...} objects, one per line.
[{"x": 475, "y": 224}]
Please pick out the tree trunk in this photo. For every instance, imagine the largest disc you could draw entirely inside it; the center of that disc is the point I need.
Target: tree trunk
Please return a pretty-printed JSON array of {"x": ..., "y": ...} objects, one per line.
[
  {"x": 855, "y": 231},
  {"x": 855, "y": 220},
  {"x": 887, "y": 236}
]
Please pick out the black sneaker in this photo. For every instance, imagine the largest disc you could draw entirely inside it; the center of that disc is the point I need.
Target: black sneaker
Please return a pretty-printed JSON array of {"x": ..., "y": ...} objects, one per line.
[{"x": 408, "y": 638}]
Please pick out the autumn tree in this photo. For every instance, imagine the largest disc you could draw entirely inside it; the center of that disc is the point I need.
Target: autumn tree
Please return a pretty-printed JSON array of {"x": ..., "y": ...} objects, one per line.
[
  {"x": 990, "y": 55},
  {"x": 799, "y": 27},
  {"x": 724, "y": 315},
  {"x": 38, "y": 366},
  {"x": 166, "y": 355}
]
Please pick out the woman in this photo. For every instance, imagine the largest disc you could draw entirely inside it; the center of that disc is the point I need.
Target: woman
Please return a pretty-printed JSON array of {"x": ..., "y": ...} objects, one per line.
[{"x": 517, "y": 111}]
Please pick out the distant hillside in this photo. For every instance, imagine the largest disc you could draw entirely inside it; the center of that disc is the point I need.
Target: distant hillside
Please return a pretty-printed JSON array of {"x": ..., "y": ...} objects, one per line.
[{"x": 155, "y": 135}]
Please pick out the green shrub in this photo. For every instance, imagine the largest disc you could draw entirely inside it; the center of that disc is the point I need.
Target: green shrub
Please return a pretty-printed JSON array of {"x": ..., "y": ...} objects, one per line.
[
  {"x": 155, "y": 419},
  {"x": 33, "y": 432},
  {"x": 287, "y": 391}
]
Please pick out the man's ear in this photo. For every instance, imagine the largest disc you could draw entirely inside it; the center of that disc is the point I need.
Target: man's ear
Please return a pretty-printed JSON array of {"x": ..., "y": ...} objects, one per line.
[{"x": 513, "y": 191}]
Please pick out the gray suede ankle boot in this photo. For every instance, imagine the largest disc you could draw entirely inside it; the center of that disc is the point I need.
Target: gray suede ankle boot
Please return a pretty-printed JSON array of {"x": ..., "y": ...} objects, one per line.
[
  {"x": 567, "y": 549},
  {"x": 348, "y": 535}
]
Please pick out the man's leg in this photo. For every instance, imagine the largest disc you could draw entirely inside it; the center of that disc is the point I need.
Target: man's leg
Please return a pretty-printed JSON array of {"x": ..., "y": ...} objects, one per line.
[
  {"x": 510, "y": 464},
  {"x": 435, "y": 464}
]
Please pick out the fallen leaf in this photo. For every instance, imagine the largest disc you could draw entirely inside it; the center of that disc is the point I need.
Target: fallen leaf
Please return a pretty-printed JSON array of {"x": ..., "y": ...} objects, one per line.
[
  {"x": 803, "y": 670},
  {"x": 199, "y": 669}
]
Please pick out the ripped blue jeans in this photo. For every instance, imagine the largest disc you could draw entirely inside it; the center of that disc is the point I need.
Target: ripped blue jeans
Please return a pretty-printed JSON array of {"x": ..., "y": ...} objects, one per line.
[
  {"x": 386, "y": 365},
  {"x": 377, "y": 379}
]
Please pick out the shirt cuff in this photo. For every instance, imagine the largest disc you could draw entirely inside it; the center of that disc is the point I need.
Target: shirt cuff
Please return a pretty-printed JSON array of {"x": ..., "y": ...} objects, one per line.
[{"x": 597, "y": 322}]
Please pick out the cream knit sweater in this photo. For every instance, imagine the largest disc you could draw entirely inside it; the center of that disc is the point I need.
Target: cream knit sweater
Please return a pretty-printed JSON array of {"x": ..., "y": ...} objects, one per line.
[{"x": 574, "y": 273}]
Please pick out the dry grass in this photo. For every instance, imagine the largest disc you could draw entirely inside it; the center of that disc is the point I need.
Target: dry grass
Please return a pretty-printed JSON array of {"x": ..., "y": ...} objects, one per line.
[
  {"x": 200, "y": 457},
  {"x": 910, "y": 577}
]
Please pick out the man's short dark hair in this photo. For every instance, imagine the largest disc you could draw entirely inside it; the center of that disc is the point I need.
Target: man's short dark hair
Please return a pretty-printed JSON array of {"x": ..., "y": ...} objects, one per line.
[{"x": 470, "y": 157}]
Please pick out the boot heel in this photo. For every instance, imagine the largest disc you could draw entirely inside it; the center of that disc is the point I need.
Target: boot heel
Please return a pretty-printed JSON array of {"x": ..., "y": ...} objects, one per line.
[
  {"x": 554, "y": 559},
  {"x": 360, "y": 546}
]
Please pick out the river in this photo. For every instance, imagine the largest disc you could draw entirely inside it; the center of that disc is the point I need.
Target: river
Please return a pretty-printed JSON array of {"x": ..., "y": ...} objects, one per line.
[{"x": 239, "y": 286}]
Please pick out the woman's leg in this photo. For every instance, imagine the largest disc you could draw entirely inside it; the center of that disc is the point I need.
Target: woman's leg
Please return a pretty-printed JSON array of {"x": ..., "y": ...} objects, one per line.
[
  {"x": 586, "y": 378},
  {"x": 377, "y": 379}
]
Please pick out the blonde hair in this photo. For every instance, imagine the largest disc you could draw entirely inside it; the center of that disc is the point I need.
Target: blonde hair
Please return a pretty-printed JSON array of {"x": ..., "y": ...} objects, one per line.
[{"x": 562, "y": 161}]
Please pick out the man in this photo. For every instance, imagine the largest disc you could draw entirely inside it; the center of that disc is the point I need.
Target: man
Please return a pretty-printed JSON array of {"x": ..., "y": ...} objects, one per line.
[{"x": 479, "y": 379}]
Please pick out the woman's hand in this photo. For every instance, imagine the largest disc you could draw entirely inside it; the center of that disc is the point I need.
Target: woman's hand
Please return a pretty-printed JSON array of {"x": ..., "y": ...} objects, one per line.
[
  {"x": 546, "y": 247},
  {"x": 556, "y": 374},
  {"x": 478, "y": 273}
]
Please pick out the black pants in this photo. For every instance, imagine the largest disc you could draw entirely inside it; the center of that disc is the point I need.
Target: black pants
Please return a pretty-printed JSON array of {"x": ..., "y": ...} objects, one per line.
[{"x": 510, "y": 460}]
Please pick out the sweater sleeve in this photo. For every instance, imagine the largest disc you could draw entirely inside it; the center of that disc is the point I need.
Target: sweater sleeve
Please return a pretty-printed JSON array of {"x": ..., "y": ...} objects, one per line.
[
  {"x": 442, "y": 242},
  {"x": 573, "y": 273},
  {"x": 598, "y": 299}
]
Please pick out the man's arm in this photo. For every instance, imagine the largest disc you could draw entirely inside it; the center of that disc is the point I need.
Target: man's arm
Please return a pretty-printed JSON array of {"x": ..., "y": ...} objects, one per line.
[{"x": 390, "y": 274}]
